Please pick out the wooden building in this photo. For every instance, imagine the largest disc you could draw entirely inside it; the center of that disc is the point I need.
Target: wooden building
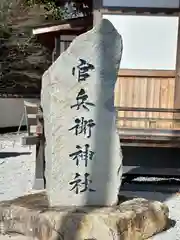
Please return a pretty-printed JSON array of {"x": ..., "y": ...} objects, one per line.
[{"x": 147, "y": 91}]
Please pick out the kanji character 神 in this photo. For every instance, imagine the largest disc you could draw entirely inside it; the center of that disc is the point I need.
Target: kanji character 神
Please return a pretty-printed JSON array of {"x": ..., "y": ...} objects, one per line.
[{"x": 82, "y": 155}]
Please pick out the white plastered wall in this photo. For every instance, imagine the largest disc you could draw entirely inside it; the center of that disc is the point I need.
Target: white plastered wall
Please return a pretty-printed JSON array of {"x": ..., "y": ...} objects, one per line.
[
  {"x": 150, "y": 42},
  {"x": 11, "y": 112}
]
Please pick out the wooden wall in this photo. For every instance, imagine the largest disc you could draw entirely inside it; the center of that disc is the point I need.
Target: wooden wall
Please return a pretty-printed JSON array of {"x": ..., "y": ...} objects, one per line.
[
  {"x": 143, "y": 89},
  {"x": 145, "y": 92}
]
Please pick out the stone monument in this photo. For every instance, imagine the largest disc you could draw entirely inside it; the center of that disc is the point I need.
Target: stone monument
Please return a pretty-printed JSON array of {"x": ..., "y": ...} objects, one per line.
[{"x": 83, "y": 153}]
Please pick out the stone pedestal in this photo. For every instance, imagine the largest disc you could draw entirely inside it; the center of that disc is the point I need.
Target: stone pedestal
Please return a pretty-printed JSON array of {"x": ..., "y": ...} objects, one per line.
[{"x": 131, "y": 220}]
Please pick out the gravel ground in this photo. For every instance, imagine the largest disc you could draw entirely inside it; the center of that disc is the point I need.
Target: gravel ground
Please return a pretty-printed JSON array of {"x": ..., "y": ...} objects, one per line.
[{"x": 17, "y": 167}]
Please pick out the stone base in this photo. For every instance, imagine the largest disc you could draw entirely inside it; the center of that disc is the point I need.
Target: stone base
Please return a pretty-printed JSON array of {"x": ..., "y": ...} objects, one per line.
[{"x": 133, "y": 219}]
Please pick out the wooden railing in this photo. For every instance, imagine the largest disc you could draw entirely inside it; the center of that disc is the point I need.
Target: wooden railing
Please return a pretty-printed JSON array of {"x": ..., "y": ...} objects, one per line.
[{"x": 151, "y": 136}]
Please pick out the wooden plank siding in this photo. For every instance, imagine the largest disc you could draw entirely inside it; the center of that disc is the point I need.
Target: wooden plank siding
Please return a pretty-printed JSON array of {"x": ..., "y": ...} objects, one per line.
[
  {"x": 144, "y": 89},
  {"x": 177, "y": 81},
  {"x": 145, "y": 92}
]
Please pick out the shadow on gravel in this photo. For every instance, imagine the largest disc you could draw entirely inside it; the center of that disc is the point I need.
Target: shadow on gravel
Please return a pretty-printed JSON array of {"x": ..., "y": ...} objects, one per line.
[
  {"x": 172, "y": 223},
  {"x": 13, "y": 154},
  {"x": 159, "y": 181},
  {"x": 151, "y": 170},
  {"x": 165, "y": 187}
]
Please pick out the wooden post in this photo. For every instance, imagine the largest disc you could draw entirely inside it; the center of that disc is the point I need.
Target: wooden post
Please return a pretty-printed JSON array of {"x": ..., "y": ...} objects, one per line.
[
  {"x": 97, "y": 16},
  {"x": 56, "y": 51},
  {"x": 40, "y": 182},
  {"x": 177, "y": 80}
]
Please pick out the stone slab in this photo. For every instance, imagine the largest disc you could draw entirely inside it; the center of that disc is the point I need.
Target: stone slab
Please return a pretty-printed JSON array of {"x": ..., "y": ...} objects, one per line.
[
  {"x": 132, "y": 219},
  {"x": 83, "y": 153}
]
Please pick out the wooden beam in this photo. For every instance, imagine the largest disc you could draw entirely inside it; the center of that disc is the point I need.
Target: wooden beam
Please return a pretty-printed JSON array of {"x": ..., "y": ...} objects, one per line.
[
  {"x": 76, "y": 24},
  {"x": 33, "y": 129},
  {"x": 135, "y": 119},
  {"x": 30, "y": 140},
  {"x": 139, "y": 11},
  {"x": 148, "y": 133},
  {"x": 55, "y": 29},
  {"x": 32, "y": 119},
  {"x": 148, "y": 171},
  {"x": 147, "y": 139},
  {"x": 147, "y": 73},
  {"x": 151, "y": 144},
  {"x": 157, "y": 110}
]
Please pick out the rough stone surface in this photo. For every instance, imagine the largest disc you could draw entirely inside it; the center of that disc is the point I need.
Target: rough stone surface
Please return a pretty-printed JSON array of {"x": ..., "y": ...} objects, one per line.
[
  {"x": 97, "y": 169},
  {"x": 133, "y": 219}
]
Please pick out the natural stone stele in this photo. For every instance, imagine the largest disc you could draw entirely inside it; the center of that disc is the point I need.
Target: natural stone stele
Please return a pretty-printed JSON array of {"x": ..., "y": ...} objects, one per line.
[
  {"x": 135, "y": 219},
  {"x": 83, "y": 154}
]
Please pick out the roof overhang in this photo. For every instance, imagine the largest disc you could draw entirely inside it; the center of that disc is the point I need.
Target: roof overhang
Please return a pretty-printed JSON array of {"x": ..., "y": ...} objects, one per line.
[
  {"x": 47, "y": 33},
  {"x": 74, "y": 24}
]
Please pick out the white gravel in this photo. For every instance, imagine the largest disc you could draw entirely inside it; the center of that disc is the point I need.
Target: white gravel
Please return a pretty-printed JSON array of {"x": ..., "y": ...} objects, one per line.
[{"x": 17, "y": 168}]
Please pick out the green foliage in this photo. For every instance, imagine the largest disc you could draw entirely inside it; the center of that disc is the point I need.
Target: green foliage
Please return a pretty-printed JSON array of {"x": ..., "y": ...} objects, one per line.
[
  {"x": 62, "y": 9},
  {"x": 6, "y": 7}
]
